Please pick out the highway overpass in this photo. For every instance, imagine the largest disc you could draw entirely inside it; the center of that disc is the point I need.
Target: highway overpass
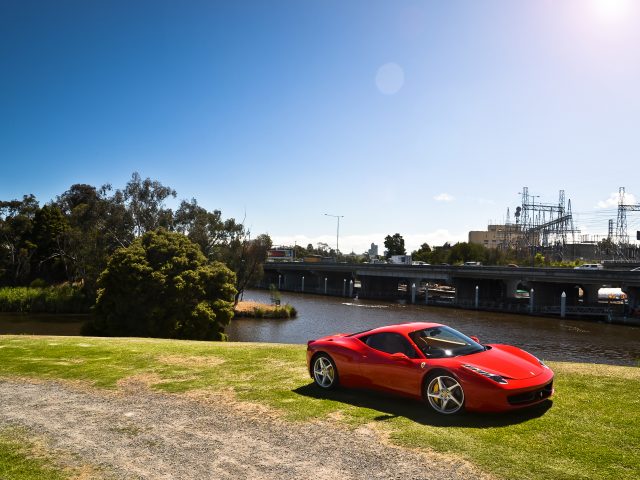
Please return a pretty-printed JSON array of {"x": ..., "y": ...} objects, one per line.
[{"x": 495, "y": 285}]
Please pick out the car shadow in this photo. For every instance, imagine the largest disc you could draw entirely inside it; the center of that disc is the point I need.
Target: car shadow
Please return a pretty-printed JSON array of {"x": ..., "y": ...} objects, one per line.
[{"x": 391, "y": 406}]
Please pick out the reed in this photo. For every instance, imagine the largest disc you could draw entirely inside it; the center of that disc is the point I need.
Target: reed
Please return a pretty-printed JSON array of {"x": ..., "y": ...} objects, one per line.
[
  {"x": 252, "y": 309},
  {"x": 54, "y": 299}
]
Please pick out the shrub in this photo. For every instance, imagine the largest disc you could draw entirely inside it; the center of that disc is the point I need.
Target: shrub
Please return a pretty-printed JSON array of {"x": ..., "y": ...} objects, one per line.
[{"x": 163, "y": 286}]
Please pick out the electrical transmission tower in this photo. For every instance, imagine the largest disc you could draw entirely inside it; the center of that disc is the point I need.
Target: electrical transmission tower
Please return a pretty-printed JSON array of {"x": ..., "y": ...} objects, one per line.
[
  {"x": 621, "y": 224},
  {"x": 508, "y": 234},
  {"x": 622, "y": 237},
  {"x": 545, "y": 224}
]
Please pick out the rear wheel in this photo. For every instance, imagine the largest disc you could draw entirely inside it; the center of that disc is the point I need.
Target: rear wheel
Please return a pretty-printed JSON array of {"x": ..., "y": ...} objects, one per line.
[
  {"x": 325, "y": 373},
  {"x": 444, "y": 393}
]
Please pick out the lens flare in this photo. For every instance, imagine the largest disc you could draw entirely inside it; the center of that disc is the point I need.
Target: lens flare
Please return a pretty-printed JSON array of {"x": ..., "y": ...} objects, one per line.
[
  {"x": 390, "y": 78},
  {"x": 611, "y": 10}
]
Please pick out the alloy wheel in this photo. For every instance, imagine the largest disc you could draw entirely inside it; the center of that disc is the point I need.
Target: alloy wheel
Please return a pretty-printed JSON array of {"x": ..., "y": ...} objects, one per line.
[
  {"x": 445, "y": 394},
  {"x": 324, "y": 372}
]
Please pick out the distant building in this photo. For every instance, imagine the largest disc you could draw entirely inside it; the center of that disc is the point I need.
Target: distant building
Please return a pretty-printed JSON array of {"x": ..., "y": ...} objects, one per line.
[
  {"x": 373, "y": 251},
  {"x": 280, "y": 254},
  {"x": 400, "y": 259},
  {"x": 496, "y": 236}
]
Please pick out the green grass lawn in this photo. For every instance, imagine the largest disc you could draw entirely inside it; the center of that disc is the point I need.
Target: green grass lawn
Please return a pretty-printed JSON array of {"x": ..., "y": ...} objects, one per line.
[
  {"x": 20, "y": 459},
  {"x": 592, "y": 430}
]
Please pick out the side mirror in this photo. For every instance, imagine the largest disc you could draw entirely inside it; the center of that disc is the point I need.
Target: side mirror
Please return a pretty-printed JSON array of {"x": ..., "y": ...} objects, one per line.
[
  {"x": 399, "y": 356},
  {"x": 475, "y": 339}
]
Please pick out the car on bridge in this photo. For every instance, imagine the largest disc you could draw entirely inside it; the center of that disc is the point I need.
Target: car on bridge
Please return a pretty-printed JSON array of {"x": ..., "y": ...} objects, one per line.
[{"x": 589, "y": 266}]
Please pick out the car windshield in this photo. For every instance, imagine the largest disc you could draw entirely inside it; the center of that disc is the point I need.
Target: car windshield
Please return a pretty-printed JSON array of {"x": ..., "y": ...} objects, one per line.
[{"x": 443, "y": 342}]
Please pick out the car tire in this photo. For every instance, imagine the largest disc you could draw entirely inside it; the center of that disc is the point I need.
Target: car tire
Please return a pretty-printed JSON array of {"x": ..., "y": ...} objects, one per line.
[
  {"x": 443, "y": 393},
  {"x": 325, "y": 373}
]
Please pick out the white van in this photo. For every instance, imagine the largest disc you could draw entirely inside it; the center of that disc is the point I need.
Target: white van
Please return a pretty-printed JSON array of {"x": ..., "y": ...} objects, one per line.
[{"x": 589, "y": 266}]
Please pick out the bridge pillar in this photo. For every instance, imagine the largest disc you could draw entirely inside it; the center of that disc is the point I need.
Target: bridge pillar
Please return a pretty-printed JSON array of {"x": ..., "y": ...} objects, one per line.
[
  {"x": 411, "y": 294},
  {"x": 312, "y": 282},
  {"x": 590, "y": 294},
  {"x": 550, "y": 294},
  {"x": 336, "y": 284},
  {"x": 489, "y": 291},
  {"x": 510, "y": 288},
  {"x": 633, "y": 297},
  {"x": 378, "y": 287}
]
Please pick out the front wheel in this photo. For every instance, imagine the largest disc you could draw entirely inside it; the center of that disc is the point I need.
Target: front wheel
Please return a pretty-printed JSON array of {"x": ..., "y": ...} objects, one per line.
[
  {"x": 325, "y": 373},
  {"x": 444, "y": 394}
]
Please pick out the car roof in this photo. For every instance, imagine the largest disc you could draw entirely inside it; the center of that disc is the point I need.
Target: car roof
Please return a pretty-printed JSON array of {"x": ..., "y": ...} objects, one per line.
[{"x": 405, "y": 328}]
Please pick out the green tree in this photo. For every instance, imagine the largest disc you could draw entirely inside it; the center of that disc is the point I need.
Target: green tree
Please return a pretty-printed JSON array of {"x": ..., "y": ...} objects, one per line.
[
  {"x": 394, "y": 245},
  {"x": 467, "y": 252},
  {"x": 144, "y": 200},
  {"x": 299, "y": 252},
  {"x": 207, "y": 229},
  {"x": 16, "y": 247},
  {"x": 606, "y": 248},
  {"x": 98, "y": 224},
  {"x": 497, "y": 256},
  {"x": 246, "y": 257},
  {"x": 48, "y": 235},
  {"x": 162, "y": 285},
  {"x": 423, "y": 254},
  {"x": 224, "y": 240},
  {"x": 440, "y": 254},
  {"x": 323, "y": 249}
]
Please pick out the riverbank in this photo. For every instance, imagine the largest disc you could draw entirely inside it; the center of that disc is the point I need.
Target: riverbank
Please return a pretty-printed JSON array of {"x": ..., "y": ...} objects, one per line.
[{"x": 583, "y": 434}]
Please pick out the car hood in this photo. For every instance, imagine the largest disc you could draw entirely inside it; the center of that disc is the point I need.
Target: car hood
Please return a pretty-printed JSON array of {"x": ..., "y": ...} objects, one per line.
[{"x": 508, "y": 362}]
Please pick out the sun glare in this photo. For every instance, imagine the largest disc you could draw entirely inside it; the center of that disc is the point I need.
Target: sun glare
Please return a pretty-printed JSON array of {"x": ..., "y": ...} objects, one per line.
[{"x": 611, "y": 10}]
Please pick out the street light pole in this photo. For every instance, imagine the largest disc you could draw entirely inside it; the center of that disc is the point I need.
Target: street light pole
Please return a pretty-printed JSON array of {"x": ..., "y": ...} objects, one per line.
[{"x": 338, "y": 217}]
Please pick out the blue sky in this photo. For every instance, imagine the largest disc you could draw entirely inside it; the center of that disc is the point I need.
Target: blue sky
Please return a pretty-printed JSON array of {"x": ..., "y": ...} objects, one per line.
[{"x": 419, "y": 117}]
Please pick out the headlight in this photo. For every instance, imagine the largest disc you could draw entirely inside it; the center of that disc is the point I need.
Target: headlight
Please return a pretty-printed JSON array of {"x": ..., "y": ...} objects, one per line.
[
  {"x": 542, "y": 364},
  {"x": 492, "y": 376}
]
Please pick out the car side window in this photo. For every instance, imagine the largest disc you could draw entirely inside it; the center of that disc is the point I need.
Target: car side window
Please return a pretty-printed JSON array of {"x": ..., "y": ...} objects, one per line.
[{"x": 391, "y": 343}]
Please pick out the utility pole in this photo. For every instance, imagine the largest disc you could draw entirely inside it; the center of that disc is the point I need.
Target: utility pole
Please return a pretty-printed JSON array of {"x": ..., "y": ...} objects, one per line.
[{"x": 338, "y": 217}]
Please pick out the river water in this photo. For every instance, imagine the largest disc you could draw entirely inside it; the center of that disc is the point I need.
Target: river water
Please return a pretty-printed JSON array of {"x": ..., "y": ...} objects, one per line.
[
  {"x": 547, "y": 338},
  {"x": 40, "y": 324}
]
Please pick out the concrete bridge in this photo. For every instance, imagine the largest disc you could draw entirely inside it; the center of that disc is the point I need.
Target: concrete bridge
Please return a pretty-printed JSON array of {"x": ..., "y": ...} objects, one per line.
[{"x": 474, "y": 285}]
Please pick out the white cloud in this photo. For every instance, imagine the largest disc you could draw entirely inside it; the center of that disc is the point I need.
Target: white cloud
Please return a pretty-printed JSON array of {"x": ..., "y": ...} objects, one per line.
[
  {"x": 362, "y": 243},
  {"x": 435, "y": 238},
  {"x": 444, "y": 197},
  {"x": 612, "y": 201}
]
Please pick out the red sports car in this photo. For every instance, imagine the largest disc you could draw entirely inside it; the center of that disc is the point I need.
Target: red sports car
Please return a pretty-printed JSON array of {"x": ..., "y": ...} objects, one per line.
[{"x": 429, "y": 361}]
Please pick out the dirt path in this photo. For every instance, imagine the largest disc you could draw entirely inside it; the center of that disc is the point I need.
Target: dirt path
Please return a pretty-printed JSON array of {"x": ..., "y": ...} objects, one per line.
[{"x": 142, "y": 434}]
